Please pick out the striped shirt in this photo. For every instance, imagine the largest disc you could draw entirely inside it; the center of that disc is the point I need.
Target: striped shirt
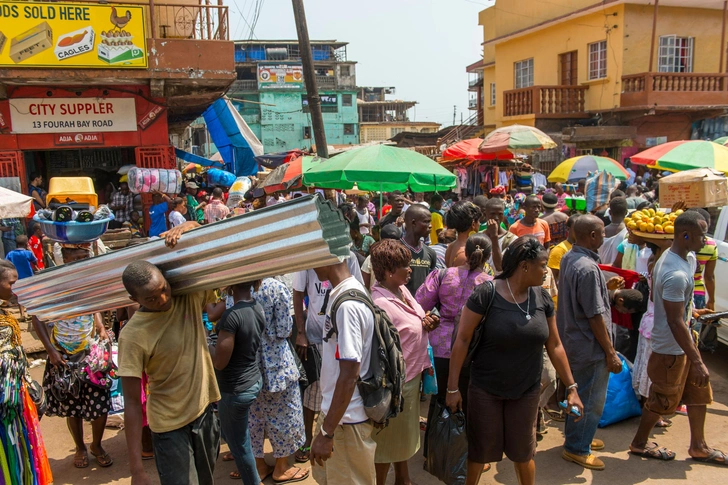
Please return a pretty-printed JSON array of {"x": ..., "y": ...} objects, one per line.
[{"x": 708, "y": 253}]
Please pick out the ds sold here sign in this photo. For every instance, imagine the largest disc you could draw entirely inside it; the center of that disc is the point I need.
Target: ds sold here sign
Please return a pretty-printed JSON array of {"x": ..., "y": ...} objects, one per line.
[{"x": 69, "y": 115}]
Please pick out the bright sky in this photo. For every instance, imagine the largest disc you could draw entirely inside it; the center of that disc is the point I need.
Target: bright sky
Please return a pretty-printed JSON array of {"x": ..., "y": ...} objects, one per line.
[{"x": 421, "y": 47}]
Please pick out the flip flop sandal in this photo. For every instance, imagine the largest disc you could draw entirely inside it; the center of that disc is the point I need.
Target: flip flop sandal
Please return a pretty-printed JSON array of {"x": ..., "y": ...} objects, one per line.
[
  {"x": 296, "y": 478},
  {"x": 555, "y": 415},
  {"x": 104, "y": 460},
  {"x": 147, "y": 456},
  {"x": 663, "y": 423},
  {"x": 228, "y": 457},
  {"x": 236, "y": 475},
  {"x": 715, "y": 457},
  {"x": 83, "y": 460},
  {"x": 655, "y": 452},
  {"x": 303, "y": 454}
]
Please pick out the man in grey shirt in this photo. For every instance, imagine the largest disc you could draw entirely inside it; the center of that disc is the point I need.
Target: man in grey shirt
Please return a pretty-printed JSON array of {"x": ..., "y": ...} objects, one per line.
[
  {"x": 675, "y": 367},
  {"x": 584, "y": 322}
]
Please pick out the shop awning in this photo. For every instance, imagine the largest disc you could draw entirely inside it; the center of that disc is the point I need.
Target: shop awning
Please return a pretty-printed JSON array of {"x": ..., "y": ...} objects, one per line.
[
  {"x": 192, "y": 158},
  {"x": 237, "y": 144}
]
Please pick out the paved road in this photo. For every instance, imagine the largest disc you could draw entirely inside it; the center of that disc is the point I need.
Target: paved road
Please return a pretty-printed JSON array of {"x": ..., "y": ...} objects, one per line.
[{"x": 551, "y": 469}]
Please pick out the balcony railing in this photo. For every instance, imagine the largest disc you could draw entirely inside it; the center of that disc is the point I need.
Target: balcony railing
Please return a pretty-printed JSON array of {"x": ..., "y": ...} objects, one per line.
[
  {"x": 473, "y": 103},
  {"x": 650, "y": 89},
  {"x": 546, "y": 101},
  {"x": 243, "y": 85},
  {"x": 323, "y": 82},
  {"x": 477, "y": 81},
  {"x": 180, "y": 21}
]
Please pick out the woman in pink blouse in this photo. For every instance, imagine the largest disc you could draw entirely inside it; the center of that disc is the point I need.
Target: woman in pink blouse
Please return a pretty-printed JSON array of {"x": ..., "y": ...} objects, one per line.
[
  {"x": 399, "y": 441},
  {"x": 449, "y": 290}
]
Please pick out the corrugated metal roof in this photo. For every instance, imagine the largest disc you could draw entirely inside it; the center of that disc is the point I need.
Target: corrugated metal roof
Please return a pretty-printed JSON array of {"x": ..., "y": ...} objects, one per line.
[{"x": 301, "y": 234}]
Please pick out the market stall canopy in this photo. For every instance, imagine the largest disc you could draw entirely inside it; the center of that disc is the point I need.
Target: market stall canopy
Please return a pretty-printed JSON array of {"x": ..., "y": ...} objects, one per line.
[
  {"x": 700, "y": 187},
  {"x": 515, "y": 138},
  {"x": 232, "y": 136},
  {"x": 196, "y": 159},
  {"x": 468, "y": 150},
  {"x": 275, "y": 160},
  {"x": 383, "y": 168},
  {"x": 578, "y": 168},
  {"x": 677, "y": 156},
  {"x": 14, "y": 205},
  {"x": 288, "y": 176}
]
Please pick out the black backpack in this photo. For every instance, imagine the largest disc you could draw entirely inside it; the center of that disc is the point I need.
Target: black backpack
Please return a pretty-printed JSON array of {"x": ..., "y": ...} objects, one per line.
[{"x": 382, "y": 390}]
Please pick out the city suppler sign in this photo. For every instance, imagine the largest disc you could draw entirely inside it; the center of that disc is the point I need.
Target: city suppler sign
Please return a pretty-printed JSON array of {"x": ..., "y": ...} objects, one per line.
[
  {"x": 68, "y": 35},
  {"x": 72, "y": 115}
]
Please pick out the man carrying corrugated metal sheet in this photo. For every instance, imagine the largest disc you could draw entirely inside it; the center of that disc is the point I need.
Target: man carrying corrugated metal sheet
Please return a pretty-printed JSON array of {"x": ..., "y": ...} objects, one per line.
[{"x": 166, "y": 339}]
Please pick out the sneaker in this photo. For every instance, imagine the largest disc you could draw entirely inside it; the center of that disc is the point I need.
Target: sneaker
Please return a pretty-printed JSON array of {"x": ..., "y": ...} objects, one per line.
[
  {"x": 589, "y": 461},
  {"x": 682, "y": 410}
]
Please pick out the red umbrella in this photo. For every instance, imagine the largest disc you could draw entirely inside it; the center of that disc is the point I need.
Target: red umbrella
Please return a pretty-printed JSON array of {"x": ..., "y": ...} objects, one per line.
[
  {"x": 288, "y": 175},
  {"x": 468, "y": 150}
]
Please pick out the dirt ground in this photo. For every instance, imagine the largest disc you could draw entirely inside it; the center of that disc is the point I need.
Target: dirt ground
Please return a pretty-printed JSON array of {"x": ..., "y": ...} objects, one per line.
[{"x": 622, "y": 468}]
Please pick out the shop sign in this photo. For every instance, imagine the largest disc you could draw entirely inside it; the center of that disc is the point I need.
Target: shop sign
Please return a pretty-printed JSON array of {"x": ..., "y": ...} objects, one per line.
[
  {"x": 68, "y": 35},
  {"x": 72, "y": 115},
  {"x": 66, "y": 139},
  {"x": 280, "y": 75},
  {"x": 149, "y": 117}
]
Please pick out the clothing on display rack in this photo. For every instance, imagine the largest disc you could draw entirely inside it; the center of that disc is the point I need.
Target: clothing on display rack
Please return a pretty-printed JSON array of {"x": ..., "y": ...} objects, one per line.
[
  {"x": 538, "y": 179},
  {"x": 23, "y": 457}
]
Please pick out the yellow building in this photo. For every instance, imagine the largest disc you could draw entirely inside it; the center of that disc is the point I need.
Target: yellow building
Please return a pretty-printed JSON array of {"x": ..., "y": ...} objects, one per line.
[{"x": 610, "y": 75}]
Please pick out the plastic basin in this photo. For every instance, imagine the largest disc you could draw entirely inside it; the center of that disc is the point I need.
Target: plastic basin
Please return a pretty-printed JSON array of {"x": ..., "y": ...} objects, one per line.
[{"x": 73, "y": 232}]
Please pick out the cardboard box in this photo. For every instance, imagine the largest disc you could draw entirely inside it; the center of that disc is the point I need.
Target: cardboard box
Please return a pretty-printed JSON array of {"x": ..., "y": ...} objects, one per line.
[
  {"x": 31, "y": 42},
  {"x": 702, "y": 187},
  {"x": 117, "y": 54}
]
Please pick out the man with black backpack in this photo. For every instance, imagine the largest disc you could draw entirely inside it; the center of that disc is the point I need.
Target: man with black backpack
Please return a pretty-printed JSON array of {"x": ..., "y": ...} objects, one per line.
[{"x": 343, "y": 424}]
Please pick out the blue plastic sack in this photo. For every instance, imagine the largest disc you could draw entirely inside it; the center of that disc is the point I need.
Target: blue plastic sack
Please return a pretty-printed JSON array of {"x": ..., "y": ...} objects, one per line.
[
  {"x": 429, "y": 385},
  {"x": 622, "y": 402},
  {"x": 221, "y": 178}
]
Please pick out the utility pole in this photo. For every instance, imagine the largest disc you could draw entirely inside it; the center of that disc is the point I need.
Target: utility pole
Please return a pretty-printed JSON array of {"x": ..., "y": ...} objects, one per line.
[
  {"x": 309, "y": 77},
  {"x": 454, "y": 114}
]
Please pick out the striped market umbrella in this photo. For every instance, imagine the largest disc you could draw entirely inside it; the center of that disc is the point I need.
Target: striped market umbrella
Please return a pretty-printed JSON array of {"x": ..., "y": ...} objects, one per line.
[
  {"x": 578, "y": 168},
  {"x": 723, "y": 140},
  {"x": 677, "y": 156},
  {"x": 515, "y": 138},
  {"x": 289, "y": 175}
]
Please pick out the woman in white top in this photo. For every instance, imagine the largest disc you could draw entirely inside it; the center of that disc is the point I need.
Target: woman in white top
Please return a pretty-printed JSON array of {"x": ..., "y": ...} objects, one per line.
[{"x": 179, "y": 209}]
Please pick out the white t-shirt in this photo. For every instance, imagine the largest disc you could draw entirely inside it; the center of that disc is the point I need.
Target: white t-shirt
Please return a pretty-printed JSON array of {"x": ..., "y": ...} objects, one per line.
[
  {"x": 365, "y": 218},
  {"x": 355, "y": 323},
  {"x": 307, "y": 282},
  {"x": 175, "y": 218}
]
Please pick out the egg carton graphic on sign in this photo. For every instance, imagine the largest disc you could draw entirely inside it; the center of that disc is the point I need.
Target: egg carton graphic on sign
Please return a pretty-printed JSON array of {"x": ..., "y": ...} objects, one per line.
[
  {"x": 75, "y": 43},
  {"x": 117, "y": 47}
]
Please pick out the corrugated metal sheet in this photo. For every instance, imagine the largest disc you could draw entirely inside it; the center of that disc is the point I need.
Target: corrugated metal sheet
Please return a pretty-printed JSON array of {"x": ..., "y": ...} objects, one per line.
[{"x": 304, "y": 233}]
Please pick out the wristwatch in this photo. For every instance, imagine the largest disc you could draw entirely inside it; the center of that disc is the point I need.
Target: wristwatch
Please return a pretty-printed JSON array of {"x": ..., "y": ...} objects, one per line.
[{"x": 325, "y": 434}]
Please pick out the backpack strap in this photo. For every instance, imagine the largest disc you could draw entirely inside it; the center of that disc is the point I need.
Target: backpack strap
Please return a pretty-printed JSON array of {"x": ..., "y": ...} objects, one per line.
[{"x": 349, "y": 295}]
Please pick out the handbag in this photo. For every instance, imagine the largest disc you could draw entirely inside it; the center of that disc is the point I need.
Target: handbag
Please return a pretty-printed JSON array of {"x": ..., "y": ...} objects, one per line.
[
  {"x": 312, "y": 364},
  {"x": 478, "y": 332},
  {"x": 303, "y": 379}
]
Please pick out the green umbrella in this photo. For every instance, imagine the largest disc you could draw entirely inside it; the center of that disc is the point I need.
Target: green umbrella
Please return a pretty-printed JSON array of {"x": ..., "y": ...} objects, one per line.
[{"x": 381, "y": 167}]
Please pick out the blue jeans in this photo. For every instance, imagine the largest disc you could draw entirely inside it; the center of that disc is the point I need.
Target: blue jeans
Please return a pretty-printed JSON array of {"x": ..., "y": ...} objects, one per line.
[
  {"x": 233, "y": 411},
  {"x": 593, "y": 380},
  {"x": 699, "y": 301}
]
